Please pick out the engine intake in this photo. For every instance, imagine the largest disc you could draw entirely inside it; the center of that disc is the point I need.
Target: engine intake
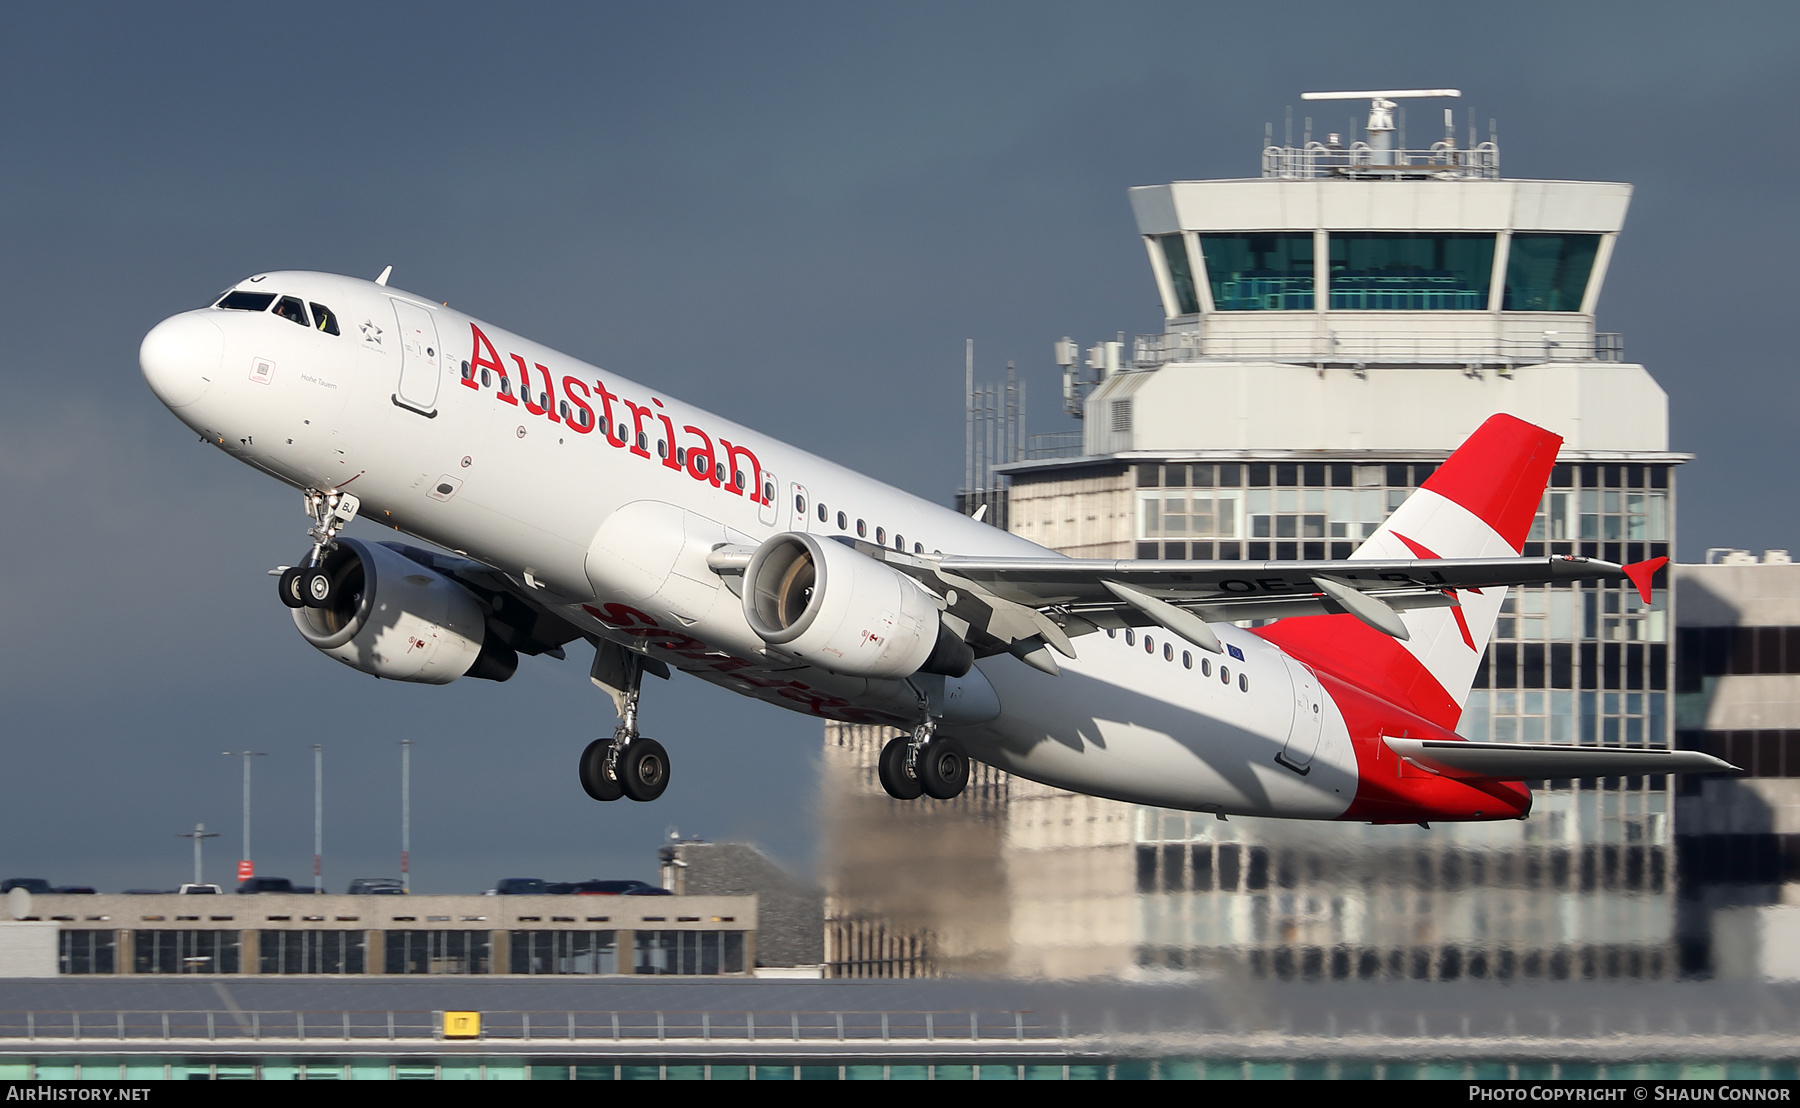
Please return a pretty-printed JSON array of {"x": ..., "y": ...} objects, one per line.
[
  {"x": 826, "y": 604},
  {"x": 392, "y": 617}
]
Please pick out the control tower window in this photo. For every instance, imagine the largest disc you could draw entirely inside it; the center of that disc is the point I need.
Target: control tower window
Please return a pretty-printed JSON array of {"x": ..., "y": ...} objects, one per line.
[
  {"x": 1420, "y": 272},
  {"x": 1181, "y": 275},
  {"x": 1259, "y": 272},
  {"x": 290, "y": 308},
  {"x": 1548, "y": 273}
]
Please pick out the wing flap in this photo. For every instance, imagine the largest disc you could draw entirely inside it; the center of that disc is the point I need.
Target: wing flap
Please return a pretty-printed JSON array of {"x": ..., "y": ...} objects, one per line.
[{"x": 1526, "y": 761}]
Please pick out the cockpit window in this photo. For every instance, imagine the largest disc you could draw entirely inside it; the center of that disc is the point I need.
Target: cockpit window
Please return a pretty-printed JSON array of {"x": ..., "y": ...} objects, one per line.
[
  {"x": 290, "y": 308},
  {"x": 246, "y": 301},
  {"x": 325, "y": 319}
]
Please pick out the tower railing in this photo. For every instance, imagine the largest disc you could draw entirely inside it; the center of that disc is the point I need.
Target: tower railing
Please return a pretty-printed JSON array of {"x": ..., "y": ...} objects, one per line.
[
  {"x": 1442, "y": 159},
  {"x": 1451, "y": 349}
]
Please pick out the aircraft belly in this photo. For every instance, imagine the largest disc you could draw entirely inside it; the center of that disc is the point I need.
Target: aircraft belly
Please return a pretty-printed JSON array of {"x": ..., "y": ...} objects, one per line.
[{"x": 1111, "y": 724}]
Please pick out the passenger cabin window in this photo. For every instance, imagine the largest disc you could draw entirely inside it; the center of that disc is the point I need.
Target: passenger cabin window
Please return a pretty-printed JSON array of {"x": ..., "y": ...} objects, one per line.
[
  {"x": 325, "y": 319},
  {"x": 246, "y": 301},
  {"x": 843, "y": 521},
  {"x": 821, "y": 513},
  {"x": 290, "y": 308}
]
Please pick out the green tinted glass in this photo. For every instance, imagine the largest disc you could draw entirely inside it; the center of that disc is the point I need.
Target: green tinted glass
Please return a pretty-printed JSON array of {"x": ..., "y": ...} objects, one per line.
[
  {"x": 1259, "y": 272},
  {"x": 1406, "y": 271},
  {"x": 1548, "y": 273},
  {"x": 1181, "y": 276}
]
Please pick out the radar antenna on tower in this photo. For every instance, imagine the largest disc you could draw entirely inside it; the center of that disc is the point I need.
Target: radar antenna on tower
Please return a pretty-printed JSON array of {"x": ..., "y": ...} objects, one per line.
[{"x": 1381, "y": 113}]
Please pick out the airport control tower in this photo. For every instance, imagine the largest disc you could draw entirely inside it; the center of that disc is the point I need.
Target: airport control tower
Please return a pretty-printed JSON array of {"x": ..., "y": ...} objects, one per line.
[{"x": 1332, "y": 329}]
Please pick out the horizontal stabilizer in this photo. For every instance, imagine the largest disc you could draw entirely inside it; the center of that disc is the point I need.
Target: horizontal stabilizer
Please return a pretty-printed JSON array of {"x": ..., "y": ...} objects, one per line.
[
  {"x": 1640, "y": 574},
  {"x": 1524, "y": 761}
]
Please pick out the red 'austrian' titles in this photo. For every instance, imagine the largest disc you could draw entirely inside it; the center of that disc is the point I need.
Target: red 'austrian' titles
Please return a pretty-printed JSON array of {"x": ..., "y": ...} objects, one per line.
[{"x": 700, "y": 459}]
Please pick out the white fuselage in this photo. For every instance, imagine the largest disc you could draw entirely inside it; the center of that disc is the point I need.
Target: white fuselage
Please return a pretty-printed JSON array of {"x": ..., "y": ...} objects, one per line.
[{"x": 604, "y": 527}]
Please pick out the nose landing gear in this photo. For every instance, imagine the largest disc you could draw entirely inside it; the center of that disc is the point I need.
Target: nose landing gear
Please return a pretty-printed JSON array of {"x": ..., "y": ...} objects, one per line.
[
  {"x": 309, "y": 586},
  {"x": 626, "y": 764}
]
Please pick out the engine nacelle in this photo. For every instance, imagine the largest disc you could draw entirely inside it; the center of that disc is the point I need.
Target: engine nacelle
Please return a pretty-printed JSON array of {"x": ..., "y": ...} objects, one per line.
[
  {"x": 394, "y": 618},
  {"x": 829, "y": 606}
]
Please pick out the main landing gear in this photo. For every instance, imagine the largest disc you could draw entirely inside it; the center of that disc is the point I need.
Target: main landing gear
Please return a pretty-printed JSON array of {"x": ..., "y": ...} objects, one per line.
[
  {"x": 924, "y": 763},
  {"x": 626, "y": 764},
  {"x": 310, "y": 585}
]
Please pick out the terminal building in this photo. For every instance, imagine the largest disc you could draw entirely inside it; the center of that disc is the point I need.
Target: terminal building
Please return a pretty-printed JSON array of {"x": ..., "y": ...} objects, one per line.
[
  {"x": 1332, "y": 329},
  {"x": 375, "y": 935}
]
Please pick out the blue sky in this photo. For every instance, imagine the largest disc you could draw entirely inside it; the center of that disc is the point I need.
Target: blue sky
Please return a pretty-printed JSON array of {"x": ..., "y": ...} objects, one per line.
[{"x": 791, "y": 213}]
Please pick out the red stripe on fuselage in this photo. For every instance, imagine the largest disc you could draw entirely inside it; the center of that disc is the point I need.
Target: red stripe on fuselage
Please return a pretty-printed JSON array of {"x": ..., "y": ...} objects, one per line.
[
  {"x": 1349, "y": 649},
  {"x": 1390, "y": 790}
]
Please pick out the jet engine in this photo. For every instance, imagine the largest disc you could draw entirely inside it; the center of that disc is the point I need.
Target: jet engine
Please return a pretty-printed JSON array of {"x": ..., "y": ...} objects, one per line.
[
  {"x": 827, "y": 605},
  {"x": 392, "y": 617}
]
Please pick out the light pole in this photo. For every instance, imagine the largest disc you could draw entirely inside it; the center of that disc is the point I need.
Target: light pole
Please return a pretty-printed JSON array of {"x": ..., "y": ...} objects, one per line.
[
  {"x": 246, "y": 868},
  {"x": 197, "y": 834},
  {"x": 406, "y": 814},
  {"x": 318, "y": 819}
]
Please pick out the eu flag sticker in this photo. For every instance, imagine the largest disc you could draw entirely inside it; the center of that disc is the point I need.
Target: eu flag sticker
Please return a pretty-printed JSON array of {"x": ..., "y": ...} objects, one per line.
[{"x": 1234, "y": 652}]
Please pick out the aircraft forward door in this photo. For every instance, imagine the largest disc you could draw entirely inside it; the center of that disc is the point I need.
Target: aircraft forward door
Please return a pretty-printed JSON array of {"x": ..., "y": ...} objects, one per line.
[
  {"x": 420, "y": 359},
  {"x": 1308, "y": 719}
]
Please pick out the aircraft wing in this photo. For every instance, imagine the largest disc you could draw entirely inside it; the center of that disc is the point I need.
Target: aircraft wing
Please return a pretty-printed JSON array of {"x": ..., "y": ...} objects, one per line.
[
  {"x": 1053, "y": 599},
  {"x": 1528, "y": 761},
  {"x": 1079, "y": 582}
]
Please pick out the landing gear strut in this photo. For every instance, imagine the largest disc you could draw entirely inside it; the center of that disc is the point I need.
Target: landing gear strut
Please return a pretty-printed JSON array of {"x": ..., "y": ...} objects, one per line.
[
  {"x": 309, "y": 585},
  {"x": 626, "y": 764},
  {"x": 924, "y": 763}
]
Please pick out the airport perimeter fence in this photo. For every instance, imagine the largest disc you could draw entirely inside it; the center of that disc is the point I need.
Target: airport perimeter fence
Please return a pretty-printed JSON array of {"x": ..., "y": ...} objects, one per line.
[{"x": 215, "y": 1025}]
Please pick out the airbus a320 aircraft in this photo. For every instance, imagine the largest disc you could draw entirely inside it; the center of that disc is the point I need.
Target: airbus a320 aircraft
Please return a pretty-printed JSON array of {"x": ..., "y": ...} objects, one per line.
[{"x": 585, "y": 506}]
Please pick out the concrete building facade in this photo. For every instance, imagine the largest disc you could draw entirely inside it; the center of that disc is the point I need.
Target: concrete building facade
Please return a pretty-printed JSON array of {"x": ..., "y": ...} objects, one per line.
[
  {"x": 357, "y": 935},
  {"x": 1738, "y": 696}
]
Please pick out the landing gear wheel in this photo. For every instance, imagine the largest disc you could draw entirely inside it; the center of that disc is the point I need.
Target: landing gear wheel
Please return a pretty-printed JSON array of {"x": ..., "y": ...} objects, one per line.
[
  {"x": 943, "y": 767},
  {"x": 317, "y": 589},
  {"x": 289, "y": 587},
  {"x": 644, "y": 769},
  {"x": 895, "y": 777},
  {"x": 595, "y": 780}
]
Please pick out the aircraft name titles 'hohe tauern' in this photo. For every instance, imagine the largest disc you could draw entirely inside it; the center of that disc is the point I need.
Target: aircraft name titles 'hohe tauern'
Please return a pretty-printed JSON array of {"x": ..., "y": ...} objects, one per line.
[{"x": 581, "y": 505}]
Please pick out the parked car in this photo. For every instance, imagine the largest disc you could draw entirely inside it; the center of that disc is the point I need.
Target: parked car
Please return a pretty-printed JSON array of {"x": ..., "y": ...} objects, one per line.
[
  {"x": 377, "y": 886},
  {"x": 521, "y": 886},
  {"x": 34, "y": 885},
  {"x": 191, "y": 889},
  {"x": 266, "y": 885}
]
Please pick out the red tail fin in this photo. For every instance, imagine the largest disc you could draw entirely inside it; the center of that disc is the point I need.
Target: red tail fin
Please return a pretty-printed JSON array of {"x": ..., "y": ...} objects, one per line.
[{"x": 1479, "y": 503}]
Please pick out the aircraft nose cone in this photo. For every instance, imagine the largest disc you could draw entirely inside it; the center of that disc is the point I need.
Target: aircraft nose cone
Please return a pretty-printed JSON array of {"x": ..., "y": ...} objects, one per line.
[{"x": 180, "y": 356}]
